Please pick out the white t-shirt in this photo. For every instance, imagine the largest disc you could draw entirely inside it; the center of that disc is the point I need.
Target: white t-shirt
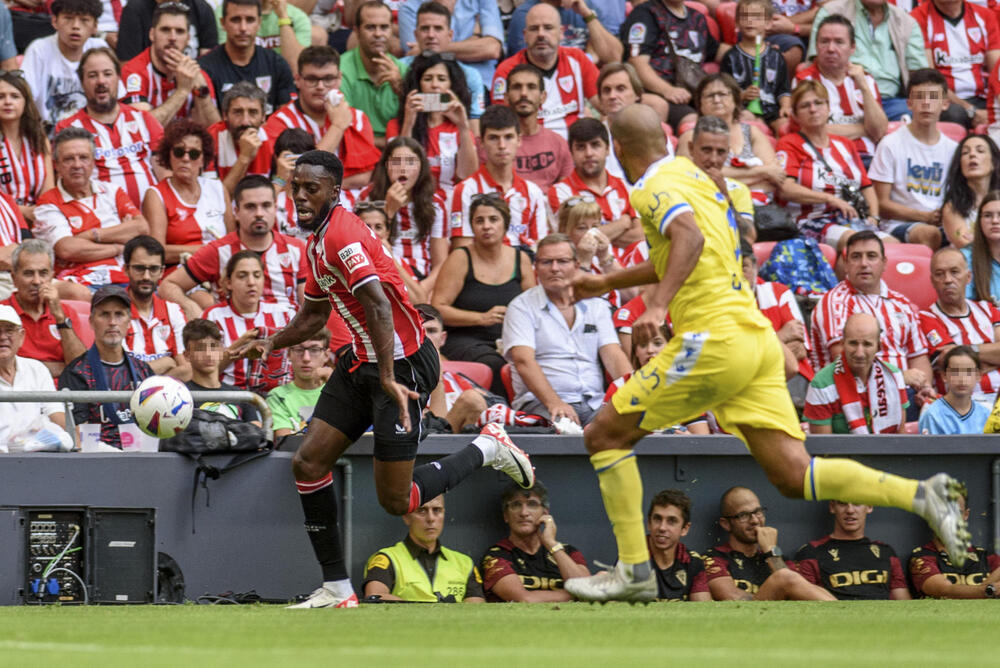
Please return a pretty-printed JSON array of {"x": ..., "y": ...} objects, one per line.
[
  {"x": 53, "y": 78},
  {"x": 30, "y": 375},
  {"x": 916, "y": 171}
]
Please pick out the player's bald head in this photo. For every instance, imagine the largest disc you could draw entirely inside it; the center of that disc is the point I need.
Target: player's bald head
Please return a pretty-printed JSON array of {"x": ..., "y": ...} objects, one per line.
[
  {"x": 638, "y": 131},
  {"x": 862, "y": 325},
  {"x": 735, "y": 497}
]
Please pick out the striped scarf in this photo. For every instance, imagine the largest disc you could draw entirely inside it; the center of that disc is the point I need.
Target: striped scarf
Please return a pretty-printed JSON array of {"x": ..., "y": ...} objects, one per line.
[{"x": 883, "y": 405}]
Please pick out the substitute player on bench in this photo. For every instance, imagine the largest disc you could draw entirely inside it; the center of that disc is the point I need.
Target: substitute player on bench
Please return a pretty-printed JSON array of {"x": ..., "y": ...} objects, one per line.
[
  {"x": 383, "y": 382},
  {"x": 724, "y": 357}
]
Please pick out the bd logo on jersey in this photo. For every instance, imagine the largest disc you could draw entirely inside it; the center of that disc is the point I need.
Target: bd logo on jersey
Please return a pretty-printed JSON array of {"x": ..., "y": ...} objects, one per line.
[{"x": 353, "y": 256}]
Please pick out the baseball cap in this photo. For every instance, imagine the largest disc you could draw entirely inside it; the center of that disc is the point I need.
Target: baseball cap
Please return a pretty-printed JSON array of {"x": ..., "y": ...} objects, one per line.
[
  {"x": 106, "y": 292},
  {"x": 8, "y": 314}
]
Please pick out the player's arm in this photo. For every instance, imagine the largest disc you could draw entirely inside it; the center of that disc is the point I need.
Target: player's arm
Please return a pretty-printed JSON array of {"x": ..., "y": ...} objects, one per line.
[
  {"x": 510, "y": 588},
  {"x": 586, "y": 285},
  {"x": 940, "y": 586},
  {"x": 308, "y": 320},
  {"x": 725, "y": 589}
]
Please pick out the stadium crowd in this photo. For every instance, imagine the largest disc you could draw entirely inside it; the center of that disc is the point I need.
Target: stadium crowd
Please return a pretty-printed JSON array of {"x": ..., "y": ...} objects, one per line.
[{"x": 145, "y": 200}]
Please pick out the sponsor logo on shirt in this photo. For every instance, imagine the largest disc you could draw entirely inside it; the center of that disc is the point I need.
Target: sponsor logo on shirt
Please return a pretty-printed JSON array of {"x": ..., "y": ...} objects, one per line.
[
  {"x": 133, "y": 84},
  {"x": 353, "y": 256},
  {"x": 119, "y": 151},
  {"x": 637, "y": 33},
  {"x": 499, "y": 87},
  {"x": 456, "y": 219}
]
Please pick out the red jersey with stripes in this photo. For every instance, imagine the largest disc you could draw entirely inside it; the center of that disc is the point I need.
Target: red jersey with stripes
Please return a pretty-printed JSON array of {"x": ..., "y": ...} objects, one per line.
[
  {"x": 977, "y": 326},
  {"x": 226, "y": 151},
  {"x": 255, "y": 375},
  {"x": 124, "y": 148},
  {"x": 454, "y": 384},
  {"x": 357, "y": 147},
  {"x": 847, "y": 102},
  {"x": 528, "y": 218},
  {"x": 958, "y": 50},
  {"x": 59, "y": 216},
  {"x": 159, "y": 335},
  {"x": 406, "y": 246},
  {"x": 144, "y": 83},
  {"x": 12, "y": 223},
  {"x": 778, "y": 305},
  {"x": 22, "y": 175},
  {"x": 613, "y": 200},
  {"x": 344, "y": 255},
  {"x": 567, "y": 89},
  {"x": 194, "y": 224},
  {"x": 800, "y": 161},
  {"x": 285, "y": 265},
  {"x": 441, "y": 148},
  {"x": 901, "y": 338}
]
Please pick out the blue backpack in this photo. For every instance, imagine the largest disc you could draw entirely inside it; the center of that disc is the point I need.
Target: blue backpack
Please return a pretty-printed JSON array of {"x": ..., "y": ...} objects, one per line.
[{"x": 799, "y": 263}]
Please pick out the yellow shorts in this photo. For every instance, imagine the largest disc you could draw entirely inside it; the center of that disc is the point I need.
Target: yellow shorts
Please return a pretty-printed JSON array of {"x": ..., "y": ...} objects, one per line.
[{"x": 736, "y": 371}]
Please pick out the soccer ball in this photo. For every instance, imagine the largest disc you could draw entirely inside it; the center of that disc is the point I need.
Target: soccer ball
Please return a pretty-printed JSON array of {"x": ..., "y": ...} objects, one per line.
[{"x": 161, "y": 406}]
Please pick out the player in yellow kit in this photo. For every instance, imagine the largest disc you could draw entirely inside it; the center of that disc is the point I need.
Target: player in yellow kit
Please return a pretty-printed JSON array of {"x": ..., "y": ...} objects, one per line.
[{"x": 724, "y": 357}]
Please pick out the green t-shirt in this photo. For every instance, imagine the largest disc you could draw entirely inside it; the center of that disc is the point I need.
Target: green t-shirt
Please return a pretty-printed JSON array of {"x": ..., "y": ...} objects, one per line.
[
  {"x": 379, "y": 103},
  {"x": 268, "y": 36},
  {"x": 291, "y": 406}
]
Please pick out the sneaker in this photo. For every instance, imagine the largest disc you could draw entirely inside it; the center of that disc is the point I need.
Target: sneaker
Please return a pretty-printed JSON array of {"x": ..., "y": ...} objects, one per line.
[
  {"x": 613, "y": 585},
  {"x": 937, "y": 502},
  {"x": 324, "y": 598},
  {"x": 510, "y": 459}
]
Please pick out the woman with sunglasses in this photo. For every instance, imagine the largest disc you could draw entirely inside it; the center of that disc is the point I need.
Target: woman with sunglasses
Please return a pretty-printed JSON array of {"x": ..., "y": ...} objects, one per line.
[
  {"x": 446, "y": 136},
  {"x": 475, "y": 285},
  {"x": 186, "y": 210},
  {"x": 25, "y": 158},
  {"x": 403, "y": 186}
]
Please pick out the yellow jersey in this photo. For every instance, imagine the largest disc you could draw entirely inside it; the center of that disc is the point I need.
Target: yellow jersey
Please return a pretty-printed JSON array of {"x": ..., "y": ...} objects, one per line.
[{"x": 715, "y": 291}]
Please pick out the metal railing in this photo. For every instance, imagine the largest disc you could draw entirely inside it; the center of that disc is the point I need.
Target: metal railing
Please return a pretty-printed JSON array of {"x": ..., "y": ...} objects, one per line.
[{"x": 69, "y": 397}]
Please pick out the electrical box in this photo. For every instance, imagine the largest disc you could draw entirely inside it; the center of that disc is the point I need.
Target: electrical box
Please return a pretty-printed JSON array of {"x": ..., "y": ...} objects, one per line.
[{"x": 54, "y": 544}]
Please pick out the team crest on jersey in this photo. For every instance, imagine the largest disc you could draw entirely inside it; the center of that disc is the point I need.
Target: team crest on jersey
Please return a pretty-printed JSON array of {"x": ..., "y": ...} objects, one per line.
[
  {"x": 975, "y": 34},
  {"x": 739, "y": 562},
  {"x": 54, "y": 331},
  {"x": 499, "y": 87},
  {"x": 285, "y": 259},
  {"x": 876, "y": 551},
  {"x": 637, "y": 33},
  {"x": 682, "y": 577},
  {"x": 76, "y": 222},
  {"x": 162, "y": 332},
  {"x": 566, "y": 83},
  {"x": 934, "y": 338},
  {"x": 972, "y": 556},
  {"x": 835, "y": 553},
  {"x": 264, "y": 83},
  {"x": 353, "y": 256},
  {"x": 132, "y": 126},
  {"x": 133, "y": 84}
]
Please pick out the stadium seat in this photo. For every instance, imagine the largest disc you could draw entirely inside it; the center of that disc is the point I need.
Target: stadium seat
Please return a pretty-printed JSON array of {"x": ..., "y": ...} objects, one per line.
[
  {"x": 725, "y": 14},
  {"x": 909, "y": 272},
  {"x": 907, "y": 250},
  {"x": 82, "y": 309},
  {"x": 477, "y": 372},
  {"x": 762, "y": 251},
  {"x": 508, "y": 382},
  {"x": 830, "y": 253},
  {"x": 952, "y": 130}
]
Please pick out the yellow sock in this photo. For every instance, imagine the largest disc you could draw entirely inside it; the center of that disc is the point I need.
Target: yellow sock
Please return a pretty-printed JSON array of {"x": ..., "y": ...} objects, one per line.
[
  {"x": 621, "y": 488},
  {"x": 847, "y": 480}
]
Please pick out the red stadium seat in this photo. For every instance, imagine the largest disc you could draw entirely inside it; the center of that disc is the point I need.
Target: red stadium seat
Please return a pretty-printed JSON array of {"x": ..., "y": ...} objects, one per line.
[
  {"x": 82, "y": 309},
  {"x": 697, "y": 6},
  {"x": 762, "y": 251},
  {"x": 830, "y": 253},
  {"x": 909, "y": 272},
  {"x": 508, "y": 383},
  {"x": 725, "y": 14},
  {"x": 907, "y": 250},
  {"x": 952, "y": 130},
  {"x": 477, "y": 372}
]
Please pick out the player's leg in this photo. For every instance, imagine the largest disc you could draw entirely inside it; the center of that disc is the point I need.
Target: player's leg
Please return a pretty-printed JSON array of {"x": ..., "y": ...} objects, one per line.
[{"x": 787, "y": 585}]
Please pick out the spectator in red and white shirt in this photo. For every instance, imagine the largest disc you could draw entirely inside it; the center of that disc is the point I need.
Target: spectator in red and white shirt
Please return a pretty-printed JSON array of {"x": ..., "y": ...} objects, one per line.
[
  {"x": 87, "y": 221},
  {"x": 963, "y": 39},
  {"x": 245, "y": 316},
  {"x": 186, "y": 210},
  {"x": 855, "y": 105},
  {"x": 124, "y": 137},
  {"x": 417, "y": 233},
  {"x": 589, "y": 146},
  {"x": 572, "y": 78},
  {"x": 902, "y": 344},
  {"x": 25, "y": 159},
  {"x": 155, "y": 333},
  {"x": 13, "y": 229},
  {"x": 337, "y": 128},
  {"x": 242, "y": 147},
  {"x": 500, "y": 140},
  {"x": 284, "y": 257},
  {"x": 955, "y": 320},
  {"x": 164, "y": 81}
]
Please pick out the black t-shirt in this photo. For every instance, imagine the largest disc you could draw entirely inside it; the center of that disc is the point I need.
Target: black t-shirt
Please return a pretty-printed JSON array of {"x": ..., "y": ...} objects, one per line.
[
  {"x": 79, "y": 376},
  {"x": 242, "y": 412},
  {"x": 749, "y": 573},
  {"x": 137, "y": 19},
  {"x": 650, "y": 29},
  {"x": 773, "y": 75},
  {"x": 267, "y": 70},
  {"x": 538, "y": 571},
  {"x": 927, "y": 561},
  {"x": 684, "y": 577},
  {"x": 861, "y": 569}
]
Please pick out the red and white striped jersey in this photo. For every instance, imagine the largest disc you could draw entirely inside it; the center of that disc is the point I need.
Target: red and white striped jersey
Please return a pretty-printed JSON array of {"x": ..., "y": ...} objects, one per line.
[
  {"x": 613, "y": 200},
  {"x": 357, "y": 147},
  {"x": 124, "y": 148},
  {"x": 959, "y": 50},
  {"x": 625, "y": 317},
  {"x": 454, "y": 384},
  {"x": 406, "y": 247},
  {"x": 567, "y": 89},
  {"x": 287, "y": 219},
  {"x": 800, "y": 162},
  {"x": 21, "y": 176},
  {"x": 260, "y": 376},
  {"x": 344, "y": 255},
  {"x": 901, "y": 339},
  {"x": 633, "y": 254},
  {"x": 59, "y": 216},
  {"x": 144, "y": 83},
  {"x": 285, "y": 265},
  {"x": 12, "y": 223},
  {"x": 847, "y": 102},
  {"x": 199, "y": 223},
  {"x": 441, "y": 148},
  {"x": 528, "y": 218},
  {"x": 993, "y": 102},
  {"x": 226, "y": 152},
  {"x": 159, "y": 335},
  {"x": 975, "y": 327},
  {"x": 778, "y": 305}
]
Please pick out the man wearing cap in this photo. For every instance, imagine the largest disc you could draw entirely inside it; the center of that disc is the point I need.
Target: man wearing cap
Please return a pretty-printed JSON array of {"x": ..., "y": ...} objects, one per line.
[
  {"x": 18, "y": 374},
  {"x": 106, "y": 365}
]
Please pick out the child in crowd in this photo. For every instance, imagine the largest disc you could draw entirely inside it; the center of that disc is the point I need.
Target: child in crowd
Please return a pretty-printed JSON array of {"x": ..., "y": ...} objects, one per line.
[
  {"x": 203, "y": 350},
  {"x": 956, "y": 412}
]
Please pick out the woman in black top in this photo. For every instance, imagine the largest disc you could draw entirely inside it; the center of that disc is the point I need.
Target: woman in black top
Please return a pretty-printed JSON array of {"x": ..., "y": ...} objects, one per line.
[{"x": 475, "y": 285}]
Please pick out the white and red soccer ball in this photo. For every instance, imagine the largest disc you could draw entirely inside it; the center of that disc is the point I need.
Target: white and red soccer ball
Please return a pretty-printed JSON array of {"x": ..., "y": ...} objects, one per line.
[{"x": 162, "y": 406}]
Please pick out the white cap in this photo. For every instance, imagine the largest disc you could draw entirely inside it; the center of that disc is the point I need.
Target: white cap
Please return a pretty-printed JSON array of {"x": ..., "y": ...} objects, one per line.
[{"x": 8, "y": 314}]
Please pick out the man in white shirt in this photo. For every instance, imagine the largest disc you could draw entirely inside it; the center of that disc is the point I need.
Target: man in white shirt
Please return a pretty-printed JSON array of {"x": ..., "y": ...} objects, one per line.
[{"x": 911, "y": 164}]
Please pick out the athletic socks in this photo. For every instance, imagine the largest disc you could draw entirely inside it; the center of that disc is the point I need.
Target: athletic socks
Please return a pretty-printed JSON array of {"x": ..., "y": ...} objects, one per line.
[
  {"x": 621, "y": 489},
  {"x": 320, "y": 509},
  {"x": 339, "y": 588},
  {"x": 434, "y": 478},
  {"x": 847, "y": 480}
]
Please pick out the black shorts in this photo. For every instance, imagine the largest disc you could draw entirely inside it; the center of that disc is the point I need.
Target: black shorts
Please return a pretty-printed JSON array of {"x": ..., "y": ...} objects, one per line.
[{"x": 353, "y": 400}]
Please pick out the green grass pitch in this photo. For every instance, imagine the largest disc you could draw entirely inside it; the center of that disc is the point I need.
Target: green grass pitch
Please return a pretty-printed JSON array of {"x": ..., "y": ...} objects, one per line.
[{"x": 804, "y": 635}]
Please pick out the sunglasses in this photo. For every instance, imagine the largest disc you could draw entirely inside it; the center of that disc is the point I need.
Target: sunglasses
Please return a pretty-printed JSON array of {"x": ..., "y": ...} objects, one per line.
[
  {"x": 487, "y": 198},
  {"x": 378, "y": 205},
  {"x": 12, "y": 74},
  {"x": 174, "y": 6},
  {"x": 179, "y": 152},
  {"x": 576, "y": 200},
  {"x": 447, "y": 55}
]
